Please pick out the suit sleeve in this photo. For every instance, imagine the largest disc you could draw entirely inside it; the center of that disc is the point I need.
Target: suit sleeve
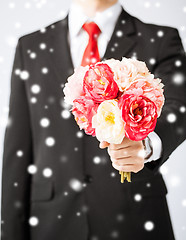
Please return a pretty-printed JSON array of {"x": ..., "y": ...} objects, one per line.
[
  {"x": 17, "y": 155},
  {"x": 171, "y": 68}
]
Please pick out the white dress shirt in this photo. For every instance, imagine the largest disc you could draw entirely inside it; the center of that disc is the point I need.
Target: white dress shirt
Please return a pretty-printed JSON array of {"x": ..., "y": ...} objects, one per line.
[
  {"x": 78, "y": 37},
  {"x": 78, "y": 40}
]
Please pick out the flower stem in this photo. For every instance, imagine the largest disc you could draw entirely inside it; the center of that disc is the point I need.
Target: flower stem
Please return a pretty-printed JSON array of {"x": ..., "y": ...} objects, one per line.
[{"x": 125, "y": 175}]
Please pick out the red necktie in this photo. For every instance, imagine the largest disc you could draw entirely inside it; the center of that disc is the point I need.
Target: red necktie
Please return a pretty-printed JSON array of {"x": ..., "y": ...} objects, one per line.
[{"x": 91, "y": 53}]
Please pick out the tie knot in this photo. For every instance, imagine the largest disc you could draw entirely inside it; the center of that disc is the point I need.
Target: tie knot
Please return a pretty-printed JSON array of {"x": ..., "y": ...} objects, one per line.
[{"x": 92, "y": 29}]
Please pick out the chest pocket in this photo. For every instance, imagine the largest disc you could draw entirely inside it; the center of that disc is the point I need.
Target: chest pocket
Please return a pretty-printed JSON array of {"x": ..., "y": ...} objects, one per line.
[{"x": 42, "y": 191}]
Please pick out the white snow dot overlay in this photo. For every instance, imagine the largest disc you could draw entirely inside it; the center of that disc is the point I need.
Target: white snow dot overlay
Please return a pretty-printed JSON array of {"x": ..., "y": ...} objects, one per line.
[
  {"x": 79, "y": 134},
  {"x": 119, "y": 33},
  {"x": 184, "y": 203},
  {"x": 171, "y": 117},
  {"x": 137, "y": 197},
  {"x": 147, "y": 4},
  {"x": 15, "y": 184},
  {"x": 17, "y": 204},
  {"x": 63, "y": 103},
  {"x": 35, "y": 89},
  {"x": 19, "y": 153},
  {"x": 152, "y": 61},
  {"x": 175, "y": 181},
  {"x": 112, "y": 174},
  {"x": 44, "y": 70},
  {"x": 152, "y": 40},
  {"x": 42, "y": 46},
  {"x": 114, "y": 234},
  {"x": 178, "y": 63},
  {"x": 160, "y": 33},
  {"x": 33, "y": 55},
  {"x": 47, "y": 172},
  {"x": 178, "y": 78},
  {"x": 33, "y": 100},
  {"x": 17, "y": 71},
  {"x": 182, "y": 109},
  {"x": 33, "y": 221},
  {"x": 43, "y": 30},
  {"x": 65, "y": 114},
  {"x": 163, "y": 169},
  {"x": 96, "y": 160},
  {"x": 76, "y": 185},
  {"x": 120, "y": 217},
  {"x": 24, "y": 75},
  {"x": 78, "y": 214},
  {"x": 50, "y": 141},
  {"x": 32, "y": 169},
  {"x": 44, "y": 122},
  {"x": 157, "y": 4},
  {"x": 149, "y": 225}
]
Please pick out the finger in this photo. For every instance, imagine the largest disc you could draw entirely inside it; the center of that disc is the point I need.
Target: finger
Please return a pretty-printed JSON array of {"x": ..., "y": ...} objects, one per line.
[
  {"x": 121, "y": 153},
  {"x": 136, "y": 151},
  {"x": 104, "y": 144},
  {"x": 129, "y": 160},
  {"x": 124, "y": 144},
  {"x": 119, "y": 146},
  {"x": 122, "y": 161},
  {"x": 128, "y": 168}
]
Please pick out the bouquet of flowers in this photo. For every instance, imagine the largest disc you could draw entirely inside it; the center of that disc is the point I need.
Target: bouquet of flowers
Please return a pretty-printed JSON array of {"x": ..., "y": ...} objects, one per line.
[{"x": 113, "y": 99}]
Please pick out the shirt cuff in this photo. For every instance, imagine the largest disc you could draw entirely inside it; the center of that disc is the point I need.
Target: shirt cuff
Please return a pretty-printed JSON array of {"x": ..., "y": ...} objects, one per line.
[{"x": 156, "y": 144}]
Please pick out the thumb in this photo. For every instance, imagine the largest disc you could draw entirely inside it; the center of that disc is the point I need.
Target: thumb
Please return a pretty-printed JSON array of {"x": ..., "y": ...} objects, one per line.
[{"x": 104, "y": 144}]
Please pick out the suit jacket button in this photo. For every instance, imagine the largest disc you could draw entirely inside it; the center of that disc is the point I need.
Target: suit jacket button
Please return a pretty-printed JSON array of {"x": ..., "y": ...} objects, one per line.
[{"x": 88, "y": 179}]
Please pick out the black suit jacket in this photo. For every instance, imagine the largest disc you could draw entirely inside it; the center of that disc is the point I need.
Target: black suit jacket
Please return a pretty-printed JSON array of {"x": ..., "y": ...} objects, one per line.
[{"x": 79, "y": 199}]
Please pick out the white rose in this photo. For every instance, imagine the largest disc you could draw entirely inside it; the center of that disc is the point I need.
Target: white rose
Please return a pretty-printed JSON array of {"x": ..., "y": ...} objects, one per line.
[{"x": 108, "y": 122}]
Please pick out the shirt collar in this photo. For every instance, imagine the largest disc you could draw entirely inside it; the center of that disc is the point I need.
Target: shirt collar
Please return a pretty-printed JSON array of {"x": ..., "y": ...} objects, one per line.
[{"x": 106, "y": 19}]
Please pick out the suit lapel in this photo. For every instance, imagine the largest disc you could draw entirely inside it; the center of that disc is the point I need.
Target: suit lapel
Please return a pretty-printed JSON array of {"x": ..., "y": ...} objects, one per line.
[
  {"x": 121, "y": 41},
  {"x": 119, "y": 45},
  {"x": 60, "y": 59}
]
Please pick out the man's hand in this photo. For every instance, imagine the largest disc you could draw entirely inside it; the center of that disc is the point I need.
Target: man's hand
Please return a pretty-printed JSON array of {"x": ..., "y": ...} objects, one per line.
[{"x": 127, "y": 156}]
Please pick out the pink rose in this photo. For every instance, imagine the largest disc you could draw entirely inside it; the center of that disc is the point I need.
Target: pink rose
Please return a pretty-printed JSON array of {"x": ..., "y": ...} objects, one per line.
[
  {"x": 151, "y": 89},
  {"x": 84, "y": 109},
  {"x": 126, "y": 71},
  {"x": 74, "y": 86},
  {"x": 139, "y": 114},
  {"x": 99, "y": 83}
]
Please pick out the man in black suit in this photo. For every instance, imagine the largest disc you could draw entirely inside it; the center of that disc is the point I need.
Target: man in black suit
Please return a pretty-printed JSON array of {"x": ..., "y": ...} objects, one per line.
[{"x": 57, "y": 183}]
